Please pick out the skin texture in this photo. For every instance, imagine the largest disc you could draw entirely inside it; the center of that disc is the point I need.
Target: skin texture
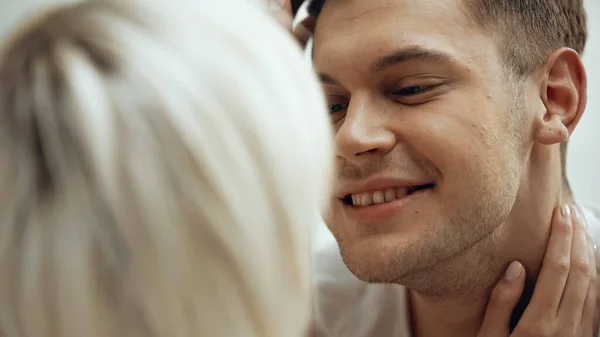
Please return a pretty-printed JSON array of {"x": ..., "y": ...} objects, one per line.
[
  {"x": 281, "y": 11},
  {"x": 449, "y": 114},
  {"x": 563, "y": 303}
]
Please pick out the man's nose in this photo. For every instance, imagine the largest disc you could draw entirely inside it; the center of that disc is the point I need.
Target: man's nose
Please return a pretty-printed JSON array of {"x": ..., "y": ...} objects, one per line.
[{"x": 363, "y": 133}]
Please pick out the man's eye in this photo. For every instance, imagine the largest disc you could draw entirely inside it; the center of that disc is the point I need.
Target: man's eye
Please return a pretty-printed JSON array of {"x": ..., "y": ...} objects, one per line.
[
  {"x": 409, "y": 91},
  {"x": 333, "y": 108}
]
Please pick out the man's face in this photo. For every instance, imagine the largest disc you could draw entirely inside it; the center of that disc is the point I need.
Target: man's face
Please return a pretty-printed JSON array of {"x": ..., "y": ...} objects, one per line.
[{"x": 430, "y": 142}]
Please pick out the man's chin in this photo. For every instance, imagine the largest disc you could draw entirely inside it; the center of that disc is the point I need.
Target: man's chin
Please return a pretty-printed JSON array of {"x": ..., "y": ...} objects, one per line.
[
  {"x": 374, "y": 263},
  {"x": 410, "y": 259},
  {"x": 405, "y": 271}
]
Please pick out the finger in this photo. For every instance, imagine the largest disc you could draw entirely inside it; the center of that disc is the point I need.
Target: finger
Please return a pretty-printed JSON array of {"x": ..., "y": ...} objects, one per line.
[
  {"x": 287, "y": 6},
  {"x": 588, "y": 318},
  {"x": 281, "y": 11},
  {"x": 302, "y": 34},
  {"x": 283, "y": 18},
  {"x": 555, "y": 268},
  {"x": 571, "y": 307},
  {"x": 304, "y": 29},
  {"x": 503, "y": 300},
  {"x": 309, "y": 23}
]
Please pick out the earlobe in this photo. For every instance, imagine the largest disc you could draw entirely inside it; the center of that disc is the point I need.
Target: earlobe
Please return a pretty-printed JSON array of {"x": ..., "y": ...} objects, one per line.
[
  {"x": 552, "y": 131},
  {"x": 564, "y": 95}
]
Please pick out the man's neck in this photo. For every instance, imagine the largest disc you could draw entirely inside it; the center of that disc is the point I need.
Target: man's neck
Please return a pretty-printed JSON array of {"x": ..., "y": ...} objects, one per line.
[
  {"x": 455, "y": 317},
  {"x": 452, "y": 316},
  {"x": 523, "y": 237},
  {"x": 460, "y": 309},
  {"x": 461, "y": 314}
]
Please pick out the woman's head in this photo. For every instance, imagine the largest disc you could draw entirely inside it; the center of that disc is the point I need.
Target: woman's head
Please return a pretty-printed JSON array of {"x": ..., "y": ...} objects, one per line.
[{"x": 161, "y": 169}]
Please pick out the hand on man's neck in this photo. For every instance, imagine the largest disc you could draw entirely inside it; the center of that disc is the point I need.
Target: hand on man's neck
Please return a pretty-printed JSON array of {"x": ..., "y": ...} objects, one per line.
[
  {"x": 523, "y": 237},
  {"x": 445, "y": 317},
  {"x": 458, "y": 313}
]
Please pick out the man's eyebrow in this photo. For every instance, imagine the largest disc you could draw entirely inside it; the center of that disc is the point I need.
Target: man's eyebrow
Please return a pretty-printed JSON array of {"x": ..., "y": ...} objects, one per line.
[
  {"x": 326, "y": 79},
  {"x": 397, "y": 57},
  {"x": 412, "y": 53}
]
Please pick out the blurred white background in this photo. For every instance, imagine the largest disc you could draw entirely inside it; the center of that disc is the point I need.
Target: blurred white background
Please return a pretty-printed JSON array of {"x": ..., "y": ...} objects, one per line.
[{"x": 584, "y": 152}]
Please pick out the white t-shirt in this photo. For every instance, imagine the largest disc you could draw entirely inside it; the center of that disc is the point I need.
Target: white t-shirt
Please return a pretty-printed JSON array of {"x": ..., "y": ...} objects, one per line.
[{"x": 348, "y": 307}]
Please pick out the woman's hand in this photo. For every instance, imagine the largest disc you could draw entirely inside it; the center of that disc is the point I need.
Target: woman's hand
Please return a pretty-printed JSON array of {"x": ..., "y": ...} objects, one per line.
[
  {"x": 281, "y": 11},
  {"x": 565, "y": 295}
]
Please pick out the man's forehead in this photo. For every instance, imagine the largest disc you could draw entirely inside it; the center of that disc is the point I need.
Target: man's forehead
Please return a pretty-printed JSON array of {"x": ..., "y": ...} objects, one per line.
[
  {"x": 348, "y": 19},
  {"x": 402, "y": 9},
  {"x": 363, "y": 35},
  {"x": 383, "y": 26}
]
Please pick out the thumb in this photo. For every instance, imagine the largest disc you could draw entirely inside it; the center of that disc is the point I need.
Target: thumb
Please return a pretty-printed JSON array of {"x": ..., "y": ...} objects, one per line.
[
  {"x": 280, "y": 5},
  {"x": 503, "y": 300},
  {"x": 280, "y": 10}
]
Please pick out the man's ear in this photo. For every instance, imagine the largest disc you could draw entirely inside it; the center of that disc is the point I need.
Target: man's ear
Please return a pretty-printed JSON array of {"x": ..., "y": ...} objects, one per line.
[{"x": 564, "y": 95}]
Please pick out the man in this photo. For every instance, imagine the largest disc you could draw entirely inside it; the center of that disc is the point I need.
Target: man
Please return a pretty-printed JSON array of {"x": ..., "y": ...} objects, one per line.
[{"x": 451, "y": 120}]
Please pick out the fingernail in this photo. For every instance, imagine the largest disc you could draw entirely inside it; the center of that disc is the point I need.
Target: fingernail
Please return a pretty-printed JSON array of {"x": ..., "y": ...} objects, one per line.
[
  {"x": 514, "y": 271},
  {"x": 565, "y": 213}
]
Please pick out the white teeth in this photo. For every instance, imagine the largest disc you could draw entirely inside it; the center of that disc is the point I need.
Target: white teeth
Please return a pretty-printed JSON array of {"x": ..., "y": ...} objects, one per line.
[
  {"x": 366, "y": 199},
  {"x": 378, "y": 197},
  {"x": 390, "y": 195},
  {"x": 401, "y": 192}
]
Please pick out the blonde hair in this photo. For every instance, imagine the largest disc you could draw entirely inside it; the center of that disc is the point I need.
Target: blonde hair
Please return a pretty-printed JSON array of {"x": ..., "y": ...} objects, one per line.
[{"x": 161, "y": 168}]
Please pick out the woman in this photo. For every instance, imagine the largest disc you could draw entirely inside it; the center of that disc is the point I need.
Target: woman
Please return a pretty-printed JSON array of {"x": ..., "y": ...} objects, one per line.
[{"x": 160, "y": 172}]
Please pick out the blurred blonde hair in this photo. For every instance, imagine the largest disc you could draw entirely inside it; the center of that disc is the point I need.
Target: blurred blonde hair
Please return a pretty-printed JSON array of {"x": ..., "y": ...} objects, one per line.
[{"x": 161, "y": 169}]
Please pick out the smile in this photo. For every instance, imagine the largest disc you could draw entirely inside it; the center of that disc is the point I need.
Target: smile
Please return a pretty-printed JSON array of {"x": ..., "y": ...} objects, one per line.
[{"x": 383, "y": 196}]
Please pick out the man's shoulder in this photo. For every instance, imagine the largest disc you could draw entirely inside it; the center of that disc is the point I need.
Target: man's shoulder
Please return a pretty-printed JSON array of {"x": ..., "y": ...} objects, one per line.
[
  {"x": 592, "y": 210},
  {"x": 346, "y": 306},
  {"x": 591, "y": 214}
]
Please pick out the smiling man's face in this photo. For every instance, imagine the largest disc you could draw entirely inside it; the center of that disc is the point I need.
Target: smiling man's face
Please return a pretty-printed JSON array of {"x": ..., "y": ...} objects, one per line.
[{"x": 430, "y": 133}]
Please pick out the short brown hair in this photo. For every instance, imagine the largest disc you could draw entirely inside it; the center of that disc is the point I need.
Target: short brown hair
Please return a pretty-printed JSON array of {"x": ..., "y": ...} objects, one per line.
[
  {"x": 529, "y": 31},
  {"x": 532, "y": 29}
]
